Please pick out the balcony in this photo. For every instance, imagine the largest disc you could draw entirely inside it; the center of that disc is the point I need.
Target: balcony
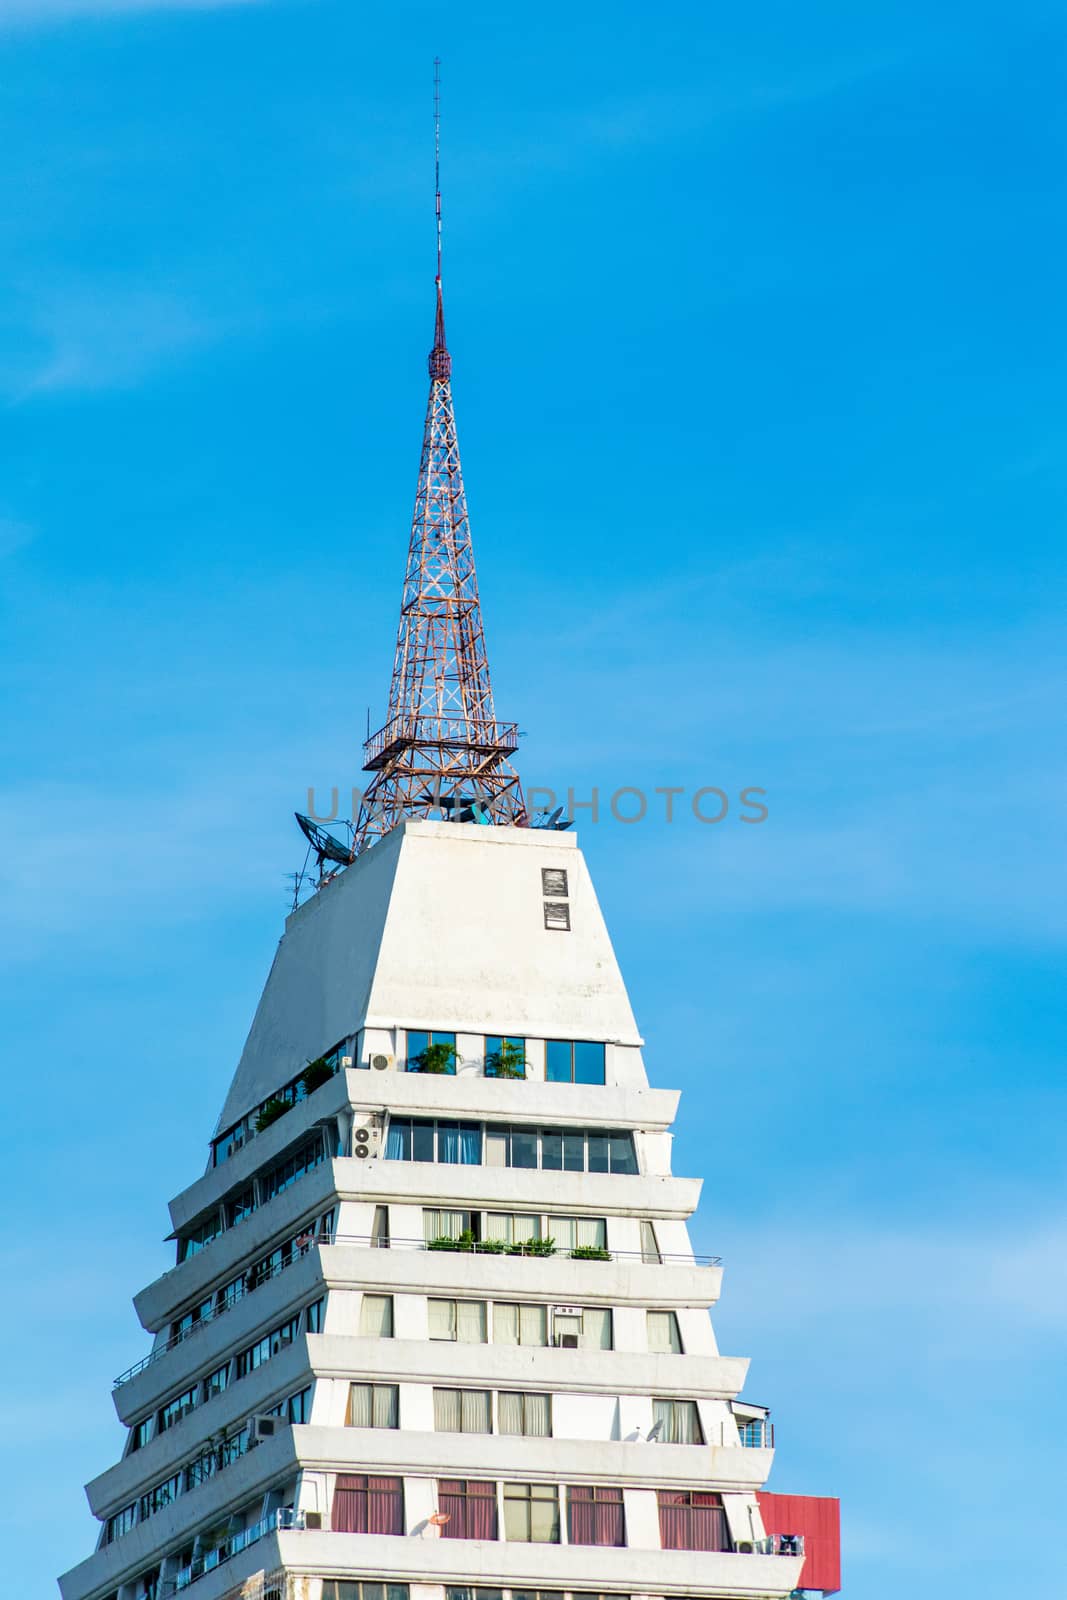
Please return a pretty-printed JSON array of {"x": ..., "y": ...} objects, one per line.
[{"x": 475, "y": 734}]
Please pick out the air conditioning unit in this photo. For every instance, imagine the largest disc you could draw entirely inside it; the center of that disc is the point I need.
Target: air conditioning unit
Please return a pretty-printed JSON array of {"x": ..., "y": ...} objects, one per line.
[
  {"x": 745, "y": 1547},
  {"x": 362, "y": 1135},
  {"x": 262, "y": 1428},
  {"x": 567, "y": 1341},
  {"x": 313, "y": 1521},
  {"x": 379, "y": 1063}
]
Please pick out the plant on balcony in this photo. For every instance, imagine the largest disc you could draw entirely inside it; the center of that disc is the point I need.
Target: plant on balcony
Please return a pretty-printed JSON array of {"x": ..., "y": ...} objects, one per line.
[
  {"x": 590, "y": 1252},
  {"x": 269, "y": 1113},
  {"x": 507, "y": 1062},
  {"x": 533, "y": 1247},
  {"x": 437, "y": 1057},
  {"x": 315, "y": 1074},
  {"x": 445, "y": 1241},
  {"x": 490, "y": 1247}
]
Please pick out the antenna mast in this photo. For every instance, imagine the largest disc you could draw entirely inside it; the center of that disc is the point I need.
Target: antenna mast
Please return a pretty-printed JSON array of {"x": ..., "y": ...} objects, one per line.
[{"x": 437, "y": 154}]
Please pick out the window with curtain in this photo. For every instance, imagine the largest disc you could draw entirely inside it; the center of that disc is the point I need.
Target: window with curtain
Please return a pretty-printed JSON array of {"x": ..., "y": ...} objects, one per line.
[
  {"x": 530, "y": 1414},
  {"x": 379, "y": 1233},
  {"x": 574, "y": 1061},
  {"x": 462, "y": 1411},
  {"x": 679, "y": 1421},
  {"x": 596, "y": 1332},
  {"x": 461, "y": 1320},
  {"x": 466, "y": 1591},
  {"x": 438, "y": 1224},
  {"x": 373, "y": 1405},
  {"x": 470, "y": 1507},
  {"x": 649, "y": 1247},
  {"x": 366, "y": 1504},
  {"x": 531, "y": 1513},
  {"x": 512, "y": 1226},
  {"x": 518, "y": 1324},
  {"x": 595, "y": 1515},
  {"x": 459, "y": 1143},
  {"x": 570, "y": 1232},
  {"x": 376, "y": 1316},
  {"x": 691, "y": 1519},
  {"x": 663, "y": 1335}
]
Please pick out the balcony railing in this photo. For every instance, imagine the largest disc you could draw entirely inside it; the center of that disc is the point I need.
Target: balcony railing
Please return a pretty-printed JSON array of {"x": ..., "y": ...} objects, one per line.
[
  {"x": 302, "y": 1246},
  {"x": 453, "y": 733}
]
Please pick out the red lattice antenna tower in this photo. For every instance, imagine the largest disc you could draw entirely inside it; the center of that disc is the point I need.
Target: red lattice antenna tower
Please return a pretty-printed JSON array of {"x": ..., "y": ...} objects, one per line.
[{"x": 442, "y": 752}]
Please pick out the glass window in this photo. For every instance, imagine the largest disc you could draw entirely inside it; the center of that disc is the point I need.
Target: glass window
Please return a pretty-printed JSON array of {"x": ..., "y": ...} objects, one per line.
[
  {"x": 691, "y": 1519},
  {"x": 461, "y": 1320},
  {"x": 595, "y": 1515},
  {"x": 505, "y": 1058},
  {"x": 519, "y": 1324},
  {"x": 531, "y": 1513},
  {"x": 596, "y": 1330},
  {"x": 622, "y": 1156},
  {"x": 422, "y": 1056},
  {"x": 177, "y": 1408},
  {"x": 264, "y": 1348},
  {"x": 352, "y": 1589},
  {"x": 470, "y": 1507},
  {"x": 140, "y": 1434},
  {"x": 374, "y": 1405},
  {"x": 574, "y": 1061},
  {"x": 459, "y": 1143},
  {"x": 649, "y": 1246},
  {"x": 579, "y": 1233},
  {"x": 366, "y": 1504},
  {"x": 119, "y": 1524},
  {"x": 311, "y": 1155},
  {"x": 242, "y": 1206},
  {"x": 162, "y": 1495},
  {"x": 663, "y": 1335},
  {"x": 315, "y": 1315},
  {"x": 298, "y": 1407},
  {"x": 216, "y": 1381},
  {"x": 398, "y": 1139},
  {"x": 448, "y": 1224},
  {"x": 512, "y": 1227},
  {"x": 462, "y": 1411},
  {"x": 376, "y": 1316},
  {"x": 678, "y": 1422},
  {"x": 191, "y": 1243},
  {"x": 525, "y": 1413},
  {"x": 523, "y": 1148},
  {"x": 379, "y": 1236}
]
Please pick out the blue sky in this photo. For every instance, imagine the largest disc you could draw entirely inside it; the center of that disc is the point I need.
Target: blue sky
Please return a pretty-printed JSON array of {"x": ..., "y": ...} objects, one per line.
[{"x": 758, "y": 329}]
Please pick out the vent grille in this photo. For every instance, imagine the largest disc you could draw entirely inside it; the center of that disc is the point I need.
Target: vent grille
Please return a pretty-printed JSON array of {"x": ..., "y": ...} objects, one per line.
[{"x": 554, "y": 882}]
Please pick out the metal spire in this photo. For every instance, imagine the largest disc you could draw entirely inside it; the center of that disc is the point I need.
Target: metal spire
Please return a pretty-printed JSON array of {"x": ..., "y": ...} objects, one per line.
[{"x": 442, "y": 752}]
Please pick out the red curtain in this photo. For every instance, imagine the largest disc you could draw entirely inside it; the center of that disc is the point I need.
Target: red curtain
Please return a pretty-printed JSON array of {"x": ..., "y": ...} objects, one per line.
[
  {"x": 471, "y": 1508},
  {"x": 367, "y": 1505},
  {"x": 595, "y": 1515},
  {"x": 689, "y": 1520}
]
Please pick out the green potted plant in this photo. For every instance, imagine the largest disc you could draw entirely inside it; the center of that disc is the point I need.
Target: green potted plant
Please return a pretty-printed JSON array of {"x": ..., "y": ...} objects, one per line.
[
  {"x": 533, "y": 1247},
  {"x": 315, "y": 1074},
  {"x": 437, "y": 1057},
  {"x": 590, "y": 1252},
  {"x": 270, "y": 1112},
  {"x": 507, "y": 1062}
]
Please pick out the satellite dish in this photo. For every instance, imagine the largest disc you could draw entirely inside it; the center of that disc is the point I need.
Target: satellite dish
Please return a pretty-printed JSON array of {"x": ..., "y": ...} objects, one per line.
[
  {"x": 654, "y": 1432},
  {"x": 325, "y": 846}
]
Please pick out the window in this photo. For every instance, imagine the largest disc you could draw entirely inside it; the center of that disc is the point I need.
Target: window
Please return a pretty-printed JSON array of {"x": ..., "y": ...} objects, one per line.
[
  {"x": 419, "y": 1042},
  {"x": 558, "y": 915},
  {"x": 279, "y": 1178},
  {"x": 315, "y": 1315},
  {"x": 554, "y": 882},
  {"x": 529, "y": 1414},
  {"x": 376, "y": 1316},
  {"x": 141, "y": 1432},
  {"x": 296, "y": 1409},
  {"x": 352, "y": 1589},
  {"x": 690, "y": 1519},
  {"x": 578, "y": 1233},
  {"x": 241, "y": 1206},
  {"x": 470, "y": 1508},
  {"x": 679, "y": 1423},
  {"x": 374, "y": 1405},
  {"x": 649, "y": 1247},
  {"x": 161, "y": 1496},
  {"x": 423, "y": 1139},
  {"x": 504, "y": 1057},
  {"x": 663, "y": 1335},
  {"x": 268, "y": 1346},
  {"x": 191, "y": 1243},
  {"x": 531, "y": 1513},
  {"x": 449, "y": 1224},
  {"x": 511, "y": 1147},
  {"x": 365, "y": 1504},
  {"x": 595, "y": 1515},
  {"x": 593, "y": 1327},
  {"x": 512, "y": 1227},
  {"x": 216, "y": 1381},
  {"x": 461, "y": 1320},
  {"x": 574, "y": 1061},
  {"x": 462, "y": 1411},
  {"x": 517, "y": 1324},
  {"x": 177, "y": 1408},
  {"x": 379, "y": 1237},
  {"x": 120, "y": 1523}
]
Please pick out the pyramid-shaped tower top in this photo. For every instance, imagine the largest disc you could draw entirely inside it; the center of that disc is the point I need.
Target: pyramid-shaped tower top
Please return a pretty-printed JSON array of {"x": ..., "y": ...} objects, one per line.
[{"x": 442, "y": 753}]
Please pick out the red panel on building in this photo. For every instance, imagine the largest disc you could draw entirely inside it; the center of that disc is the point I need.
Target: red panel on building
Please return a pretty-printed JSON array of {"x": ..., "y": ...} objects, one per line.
[{"x": 819, "y": 1520}]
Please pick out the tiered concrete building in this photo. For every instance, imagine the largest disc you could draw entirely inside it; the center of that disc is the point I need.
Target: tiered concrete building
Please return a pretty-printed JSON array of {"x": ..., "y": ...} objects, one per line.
[{"x": 435, "y": 1329}]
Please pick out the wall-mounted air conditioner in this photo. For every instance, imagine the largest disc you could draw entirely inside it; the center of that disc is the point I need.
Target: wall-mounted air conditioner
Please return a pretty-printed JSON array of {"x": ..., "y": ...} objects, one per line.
[
  {"x": 262, "y": 1428},
  {"x": 381, "y": 1062},
  {"x": 567, "y": 1341},
  {"x": 366, "y": 1141}
]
